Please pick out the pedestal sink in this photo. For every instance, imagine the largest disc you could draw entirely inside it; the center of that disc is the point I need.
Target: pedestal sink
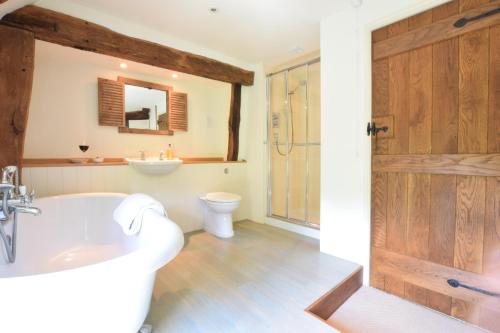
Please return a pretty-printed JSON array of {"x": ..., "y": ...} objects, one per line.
[{"x": 154, "y": 166}]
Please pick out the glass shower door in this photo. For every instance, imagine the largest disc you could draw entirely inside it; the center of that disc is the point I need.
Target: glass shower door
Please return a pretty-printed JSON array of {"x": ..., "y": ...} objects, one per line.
[{"x": 294, "y": 144}]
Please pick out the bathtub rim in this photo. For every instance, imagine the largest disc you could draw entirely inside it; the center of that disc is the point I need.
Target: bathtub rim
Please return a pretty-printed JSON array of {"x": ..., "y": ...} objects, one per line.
[{"x": 144, "y": 260}]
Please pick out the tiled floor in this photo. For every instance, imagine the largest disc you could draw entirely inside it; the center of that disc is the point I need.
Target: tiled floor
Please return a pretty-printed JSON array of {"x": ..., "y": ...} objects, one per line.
[{"x": 259, "y": 281}]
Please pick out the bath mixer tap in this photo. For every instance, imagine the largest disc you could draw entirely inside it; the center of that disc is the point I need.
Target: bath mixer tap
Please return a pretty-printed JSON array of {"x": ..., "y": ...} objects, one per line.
[{"x": 14, "y": 201}]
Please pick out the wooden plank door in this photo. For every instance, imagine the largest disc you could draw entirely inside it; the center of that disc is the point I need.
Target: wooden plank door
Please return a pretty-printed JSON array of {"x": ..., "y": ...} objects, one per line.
[{"x": 436, "y": 172}]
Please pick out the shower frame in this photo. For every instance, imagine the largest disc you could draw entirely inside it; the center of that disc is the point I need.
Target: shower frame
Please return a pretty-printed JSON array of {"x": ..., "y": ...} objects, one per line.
[{"x": 307, "y": 144}]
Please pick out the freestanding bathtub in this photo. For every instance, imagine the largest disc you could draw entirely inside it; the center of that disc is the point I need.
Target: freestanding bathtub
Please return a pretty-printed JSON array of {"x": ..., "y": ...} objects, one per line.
[{"x": 77, "y": 272}]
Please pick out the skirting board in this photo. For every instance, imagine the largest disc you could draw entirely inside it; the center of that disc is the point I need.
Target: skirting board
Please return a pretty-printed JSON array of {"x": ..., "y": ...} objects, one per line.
[
  {"x": 327, "y": 304},
  {"x": 298, "y": 229}
]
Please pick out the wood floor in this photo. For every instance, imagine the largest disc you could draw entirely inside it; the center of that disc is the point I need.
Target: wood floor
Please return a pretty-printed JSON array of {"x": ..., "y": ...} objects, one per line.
[{"x": 259, "y": 281}]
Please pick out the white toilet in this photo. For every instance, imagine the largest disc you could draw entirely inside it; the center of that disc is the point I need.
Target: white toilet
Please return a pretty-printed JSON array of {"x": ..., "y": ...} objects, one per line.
[{"x": 218, "y": 209}]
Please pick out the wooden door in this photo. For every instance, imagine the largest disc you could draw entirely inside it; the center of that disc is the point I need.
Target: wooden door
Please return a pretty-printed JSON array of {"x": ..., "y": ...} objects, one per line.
[{"x": 436, "y": 172}]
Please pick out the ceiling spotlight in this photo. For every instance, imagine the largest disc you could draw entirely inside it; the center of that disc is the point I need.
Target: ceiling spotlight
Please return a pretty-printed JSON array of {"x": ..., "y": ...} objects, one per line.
[
  {"x": 175, "y": 76},
  {"x": 123, "y": 65},
  {"x": 213, "y": 10}
]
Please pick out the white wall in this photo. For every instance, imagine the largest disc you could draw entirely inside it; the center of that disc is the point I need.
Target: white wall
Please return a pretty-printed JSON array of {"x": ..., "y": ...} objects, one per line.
[
  {"x": 63, "y": 109},
  {"x": 345, "y": 111},
  {"x": 253, "y": 144},
  {"x": 64, "y": 112},
  {"x": 179, "y": 191},
  {"x": 12, "y": 5}
]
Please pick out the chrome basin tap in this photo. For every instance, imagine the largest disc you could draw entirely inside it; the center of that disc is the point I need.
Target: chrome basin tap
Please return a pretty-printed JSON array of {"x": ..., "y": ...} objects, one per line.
[{"x": 14, "y": 201}]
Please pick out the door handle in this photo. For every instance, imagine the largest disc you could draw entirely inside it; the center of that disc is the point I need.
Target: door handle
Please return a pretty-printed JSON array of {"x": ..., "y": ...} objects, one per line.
[{"x": 373, "y": 130}]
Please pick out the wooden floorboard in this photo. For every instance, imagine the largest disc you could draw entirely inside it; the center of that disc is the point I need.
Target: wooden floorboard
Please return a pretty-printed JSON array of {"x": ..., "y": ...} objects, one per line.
[{"x": 261, "y": 280}]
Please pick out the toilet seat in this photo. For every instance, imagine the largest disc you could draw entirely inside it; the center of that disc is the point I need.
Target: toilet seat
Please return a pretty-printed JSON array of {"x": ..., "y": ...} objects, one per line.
[{"x": 222, "y": 197}]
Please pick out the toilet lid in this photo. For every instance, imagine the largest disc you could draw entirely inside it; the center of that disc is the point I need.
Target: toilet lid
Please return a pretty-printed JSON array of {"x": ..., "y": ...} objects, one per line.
[{"x": 223, "y": 197}]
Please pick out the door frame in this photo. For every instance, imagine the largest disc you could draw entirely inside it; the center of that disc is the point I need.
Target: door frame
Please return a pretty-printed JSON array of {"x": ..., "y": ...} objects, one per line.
[{"x": 367, "y": 18}]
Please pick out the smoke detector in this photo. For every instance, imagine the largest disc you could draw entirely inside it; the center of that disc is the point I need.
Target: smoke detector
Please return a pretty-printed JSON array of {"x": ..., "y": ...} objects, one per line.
[{"x": 213, "y": 10}]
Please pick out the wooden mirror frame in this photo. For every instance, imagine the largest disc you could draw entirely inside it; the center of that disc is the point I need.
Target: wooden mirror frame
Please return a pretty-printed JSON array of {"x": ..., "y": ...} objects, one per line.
[{"x": 148, "y": 85}]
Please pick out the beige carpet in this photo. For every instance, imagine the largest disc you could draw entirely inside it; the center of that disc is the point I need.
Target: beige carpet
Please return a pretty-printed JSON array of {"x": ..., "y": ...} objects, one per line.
[{"x": 371, "y": 310}]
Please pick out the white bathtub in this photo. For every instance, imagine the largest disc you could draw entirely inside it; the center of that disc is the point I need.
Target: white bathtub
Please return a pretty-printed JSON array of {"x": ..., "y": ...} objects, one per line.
[{"x": 77, "y": 272}]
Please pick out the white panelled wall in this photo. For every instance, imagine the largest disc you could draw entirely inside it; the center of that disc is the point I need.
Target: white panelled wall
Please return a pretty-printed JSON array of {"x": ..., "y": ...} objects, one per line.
[{"x": 179, "y": 191}]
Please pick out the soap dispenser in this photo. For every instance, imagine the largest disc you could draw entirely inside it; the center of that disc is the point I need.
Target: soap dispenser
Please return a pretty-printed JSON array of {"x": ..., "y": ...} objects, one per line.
[{"x": 170, "y": 152}]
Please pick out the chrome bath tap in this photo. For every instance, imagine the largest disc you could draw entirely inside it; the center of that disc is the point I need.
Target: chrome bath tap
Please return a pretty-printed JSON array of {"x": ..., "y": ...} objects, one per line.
[{"x": 14, "y": 201}]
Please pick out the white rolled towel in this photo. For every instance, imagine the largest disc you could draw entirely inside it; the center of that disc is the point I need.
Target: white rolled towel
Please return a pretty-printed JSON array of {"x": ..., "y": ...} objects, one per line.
[{"x": 130, "y": 212}]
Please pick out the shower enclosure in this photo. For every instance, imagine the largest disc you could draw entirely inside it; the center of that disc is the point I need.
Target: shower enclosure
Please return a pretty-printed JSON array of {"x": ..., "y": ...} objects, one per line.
[{"x": 294, "y": 143}]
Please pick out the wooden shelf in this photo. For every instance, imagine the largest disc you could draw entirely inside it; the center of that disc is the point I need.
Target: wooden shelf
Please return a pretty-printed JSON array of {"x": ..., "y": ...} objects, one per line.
[
  {"x": 206, "y": 160},
  {"x": 66, "y": 162}
]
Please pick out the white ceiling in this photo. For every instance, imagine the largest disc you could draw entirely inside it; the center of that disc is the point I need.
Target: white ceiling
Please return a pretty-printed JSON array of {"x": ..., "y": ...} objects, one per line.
[{"x": 250, "y": 30}]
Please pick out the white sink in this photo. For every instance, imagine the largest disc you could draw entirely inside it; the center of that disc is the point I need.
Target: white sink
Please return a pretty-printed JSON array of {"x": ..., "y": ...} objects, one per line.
[{"x": 154, "y": 166}]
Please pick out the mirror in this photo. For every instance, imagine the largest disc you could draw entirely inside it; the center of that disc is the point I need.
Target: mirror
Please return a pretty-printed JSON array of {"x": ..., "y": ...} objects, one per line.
[{"x": 146, "y": 107}]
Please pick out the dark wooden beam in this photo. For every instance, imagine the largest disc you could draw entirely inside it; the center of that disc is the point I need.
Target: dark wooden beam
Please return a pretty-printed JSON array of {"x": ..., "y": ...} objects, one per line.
[
  {"x": 138, "y": 115},
  {"x": 234, "y": 123},
  {"x": 17, "y": 51},
  {"x": 2, "y": 1},
  {"x": 62, "y": 29}
]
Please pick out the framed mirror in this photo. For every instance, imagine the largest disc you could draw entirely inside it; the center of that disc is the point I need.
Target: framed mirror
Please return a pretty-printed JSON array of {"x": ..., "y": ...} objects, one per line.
[
  {"x": 146, "y": 107},
  {"x": 141, "y": 107}
]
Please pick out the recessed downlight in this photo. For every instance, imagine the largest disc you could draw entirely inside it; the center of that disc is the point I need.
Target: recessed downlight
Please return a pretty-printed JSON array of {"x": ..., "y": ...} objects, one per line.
[
  {"x": 175, "y": 76},
  {"x": 123, "y": 65}
]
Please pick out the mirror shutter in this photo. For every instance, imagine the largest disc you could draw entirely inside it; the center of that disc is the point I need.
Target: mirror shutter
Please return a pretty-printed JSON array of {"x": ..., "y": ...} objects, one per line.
[
  {"x": 177, "y": 113},
  {"x": 111, "y": 103}
]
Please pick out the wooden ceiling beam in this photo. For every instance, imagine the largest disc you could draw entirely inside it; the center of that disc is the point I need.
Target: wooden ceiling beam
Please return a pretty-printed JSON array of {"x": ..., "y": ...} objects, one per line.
[{"x": 62, "y": 29}]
